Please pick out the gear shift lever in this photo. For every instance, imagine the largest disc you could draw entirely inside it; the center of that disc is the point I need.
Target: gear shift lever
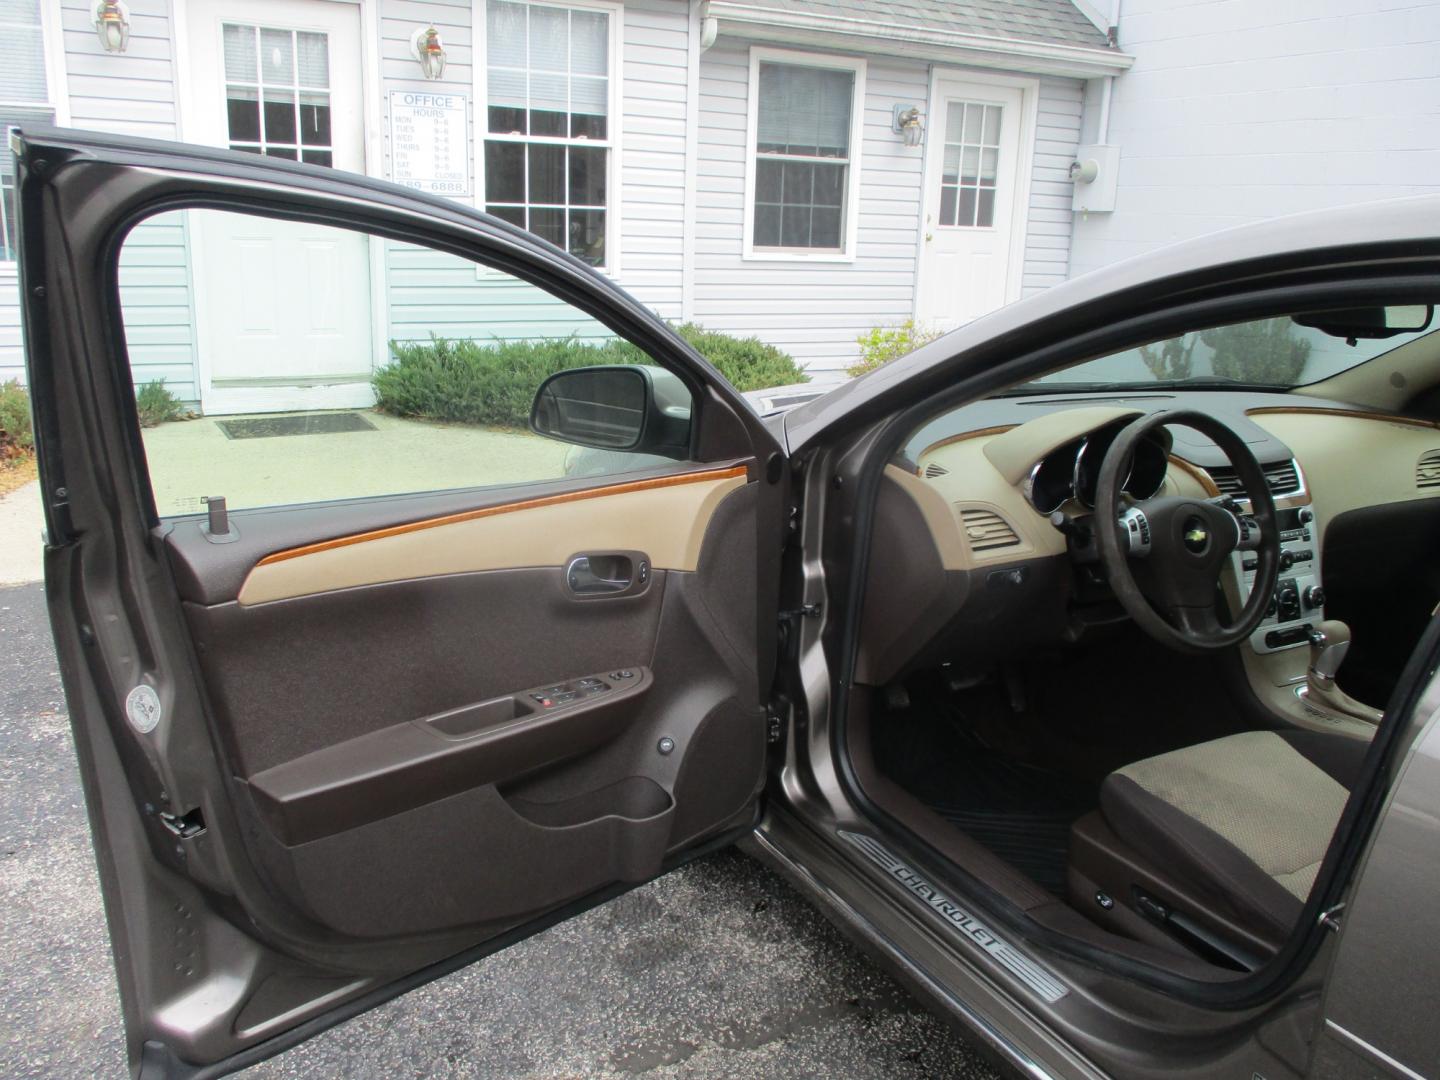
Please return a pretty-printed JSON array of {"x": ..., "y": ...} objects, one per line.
[{"x": 1329, "y": 642}]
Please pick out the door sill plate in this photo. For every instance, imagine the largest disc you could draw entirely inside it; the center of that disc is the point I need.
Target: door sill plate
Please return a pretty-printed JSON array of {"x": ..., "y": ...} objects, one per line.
[{"x": 1028, "y": 971}]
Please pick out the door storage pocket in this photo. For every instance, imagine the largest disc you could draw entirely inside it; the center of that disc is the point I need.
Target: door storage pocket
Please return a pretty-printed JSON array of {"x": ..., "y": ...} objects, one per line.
[{"x": 477, "y": 859}]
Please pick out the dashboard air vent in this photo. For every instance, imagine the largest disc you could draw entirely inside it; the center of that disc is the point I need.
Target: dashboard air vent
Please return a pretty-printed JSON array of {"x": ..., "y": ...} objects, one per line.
[
  {"x": 987, "y": 530},
  {"x": 1283, "y": 477},
  {"x": 1427, "y": 469},
  {"x": 933, "y": 470}
]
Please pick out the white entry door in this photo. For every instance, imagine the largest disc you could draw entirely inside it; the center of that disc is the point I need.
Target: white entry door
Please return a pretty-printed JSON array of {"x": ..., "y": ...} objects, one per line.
[
  {"x": 282, "y": 309},
  {"x": 968, "y": 261}
]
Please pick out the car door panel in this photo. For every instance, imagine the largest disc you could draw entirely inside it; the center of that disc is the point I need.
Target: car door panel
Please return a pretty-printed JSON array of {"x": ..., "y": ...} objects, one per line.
[{"x": 342, "y": 783}]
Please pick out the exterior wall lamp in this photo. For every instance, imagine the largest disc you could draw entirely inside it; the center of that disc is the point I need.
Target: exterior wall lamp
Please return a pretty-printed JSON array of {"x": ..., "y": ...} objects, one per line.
[
  {"x": 111, "y": 19},
  {"x": 906, "y": 121},
  {"x": 426, "y": 47}
]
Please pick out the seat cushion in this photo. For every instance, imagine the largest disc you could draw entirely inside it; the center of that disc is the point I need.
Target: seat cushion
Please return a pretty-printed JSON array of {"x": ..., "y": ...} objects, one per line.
[{"x": 1244, "y": 820}]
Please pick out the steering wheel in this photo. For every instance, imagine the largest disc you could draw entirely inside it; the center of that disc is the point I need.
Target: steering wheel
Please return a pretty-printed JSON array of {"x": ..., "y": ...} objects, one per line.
[{"x": 1164, "y": 556}]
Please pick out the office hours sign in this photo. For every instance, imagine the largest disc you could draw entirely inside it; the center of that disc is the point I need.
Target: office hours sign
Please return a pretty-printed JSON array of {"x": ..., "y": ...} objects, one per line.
[{"x": 429, "y": 141}]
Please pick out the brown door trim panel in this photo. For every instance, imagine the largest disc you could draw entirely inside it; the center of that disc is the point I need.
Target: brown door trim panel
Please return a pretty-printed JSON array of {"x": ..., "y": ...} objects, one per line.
[
  {"x": 398, "y": 768},
  {"x": 666, "y": 517},
  {"x": 507, "y": 508}
]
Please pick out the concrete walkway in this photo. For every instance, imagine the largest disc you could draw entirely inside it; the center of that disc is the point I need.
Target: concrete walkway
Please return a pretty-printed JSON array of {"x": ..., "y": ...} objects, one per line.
[{"x": 21, "y": 525}]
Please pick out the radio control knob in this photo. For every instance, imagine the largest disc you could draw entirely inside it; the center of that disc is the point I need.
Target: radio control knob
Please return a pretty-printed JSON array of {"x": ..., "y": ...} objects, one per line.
[
  {"x": 1287, "y": 560},
  {"x": 1314, "y": 597},
  {"x": 1306, "y": 515}
]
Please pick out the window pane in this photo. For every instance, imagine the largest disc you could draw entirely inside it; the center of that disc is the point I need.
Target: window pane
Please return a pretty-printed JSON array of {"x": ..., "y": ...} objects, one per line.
[
  {"x": 277, "y": 57},
  {"x": 587, "y": 235},
  {"x": 985, "y": 213},
  {"x": 767, "y": 226},
  {"x": 314, "y": 119},
  {"x": 587, "y": 176},
  {"x": 549, "y": 39},
  {"x": 547, "y": 123},
  {"x": 992, "y": 125},
  {"x": 969, "y": 164},
  {"x": 829, "y": 185},
  {"x": 989, "y": 165},
  {"x": 513, "y": 214},
  {"x": 973, "y": 114},
  {"x": 794, "y": 226},
  {"x": 589, "y": 95},
  {"x": 548, "y": 225},
  {"x": 804, "y": 110},
  {"x": 505, "y": 120},
  {"x": 318, "y": 157},
  {"x": 549, "y": 92},
  {"x": 505, "y": 172},
  {"x": 587, "y": 127},
  {"x": 825, "y": 227},
  {"x": 947, "y": 205},
  {"x": 797, "y": 184},
  {"x": 240, "y": 54},
  {"x": 289, "y": 153},
  {"x": 506, "y": 39},
  {"x": 954, "y": 122},
  {"x": 279, "y": 117},
  {"x": 966, "y": 215},
  {"x": 242, "y": 108},
  {"x": 589, "y": 42},
  {"x": 547, "y": 174},
  {"x": 314, "y": 59},
  {"x": 950, "y": 171}
]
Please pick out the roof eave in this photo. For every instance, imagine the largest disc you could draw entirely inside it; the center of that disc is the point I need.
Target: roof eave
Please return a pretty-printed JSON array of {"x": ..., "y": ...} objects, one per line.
[{"x": 758, "y": 23}]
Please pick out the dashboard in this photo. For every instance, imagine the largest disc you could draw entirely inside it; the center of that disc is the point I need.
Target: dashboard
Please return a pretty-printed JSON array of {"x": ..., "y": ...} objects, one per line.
[{"x": 973, "y": 571}]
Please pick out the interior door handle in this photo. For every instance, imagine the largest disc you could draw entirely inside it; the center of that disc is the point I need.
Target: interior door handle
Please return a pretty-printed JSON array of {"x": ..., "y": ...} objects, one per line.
[{"x": 607, "y": 574}]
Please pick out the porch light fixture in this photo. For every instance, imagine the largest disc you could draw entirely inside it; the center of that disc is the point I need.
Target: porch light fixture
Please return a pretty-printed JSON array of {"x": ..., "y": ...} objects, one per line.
[
  {"x": 426, "y": 47},
  {"x": 111, "y": 19},
  {"x": 906, "y": 121}
]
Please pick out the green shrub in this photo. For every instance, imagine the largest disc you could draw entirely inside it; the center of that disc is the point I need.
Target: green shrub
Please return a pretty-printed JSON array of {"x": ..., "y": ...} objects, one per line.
[
  {"x": 155, "y": 405},
  {"x": 493, "y": 384},
  {"x": 885, "y": 343},
  {"x": 749, "y": 363},
  {"x": 17, "y": 436}
]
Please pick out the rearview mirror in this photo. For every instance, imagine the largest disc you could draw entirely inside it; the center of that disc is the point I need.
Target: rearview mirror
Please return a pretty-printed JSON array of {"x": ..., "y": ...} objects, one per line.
[
  {"x": 1353, "y": 324},
  {"x": 625, "y": 407}
]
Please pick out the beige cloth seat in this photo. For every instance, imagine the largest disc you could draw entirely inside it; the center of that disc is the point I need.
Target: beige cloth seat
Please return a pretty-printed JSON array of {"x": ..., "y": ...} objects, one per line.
[{"x": 1243, "y": 822}]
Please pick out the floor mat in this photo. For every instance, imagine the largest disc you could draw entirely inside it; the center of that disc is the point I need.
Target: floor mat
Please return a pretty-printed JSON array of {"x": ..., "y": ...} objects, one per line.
[
  {"x": 1019, "y": 812},
  {"x": 269, "y": 427}
]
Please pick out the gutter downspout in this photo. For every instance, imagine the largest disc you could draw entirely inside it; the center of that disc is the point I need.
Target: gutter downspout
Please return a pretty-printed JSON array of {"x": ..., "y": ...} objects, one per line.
[
  {"x": 694, "y": 46},
  {"x": 1103, "y": 132}
]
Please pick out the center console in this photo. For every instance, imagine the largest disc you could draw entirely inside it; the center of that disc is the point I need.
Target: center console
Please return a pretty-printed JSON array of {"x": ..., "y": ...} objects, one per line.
[{"x": 1299, "y": 600}]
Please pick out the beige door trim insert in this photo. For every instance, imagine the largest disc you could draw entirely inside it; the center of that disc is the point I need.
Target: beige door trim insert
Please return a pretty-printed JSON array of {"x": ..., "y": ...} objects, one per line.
[{"x": 666, "y": 517}]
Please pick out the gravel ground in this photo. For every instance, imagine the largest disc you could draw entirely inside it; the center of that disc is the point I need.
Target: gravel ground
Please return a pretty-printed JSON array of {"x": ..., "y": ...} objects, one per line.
[{"x": 717, "y": 970}]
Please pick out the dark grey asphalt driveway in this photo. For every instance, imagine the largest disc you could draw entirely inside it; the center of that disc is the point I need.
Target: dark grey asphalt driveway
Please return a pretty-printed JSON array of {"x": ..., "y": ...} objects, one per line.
[{"x": 718, "y": 970}]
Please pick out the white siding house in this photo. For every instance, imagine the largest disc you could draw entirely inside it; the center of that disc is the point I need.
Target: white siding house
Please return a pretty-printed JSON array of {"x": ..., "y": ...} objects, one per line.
[
  {"x": 744, "y": 166},
  {"x": 1239, "y": 111}
]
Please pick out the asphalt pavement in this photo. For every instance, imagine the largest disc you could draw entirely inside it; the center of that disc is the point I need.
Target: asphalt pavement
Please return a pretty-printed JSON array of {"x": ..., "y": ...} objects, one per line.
[{"x": 717, "y": 970}]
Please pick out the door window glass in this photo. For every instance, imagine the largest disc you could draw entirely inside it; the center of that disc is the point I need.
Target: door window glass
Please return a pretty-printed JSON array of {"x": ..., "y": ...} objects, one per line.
[
  {"x": 547, "y": 152},
  {"x": 259, "y": 385},
  {"x": 971, "y": 164},
  {"x": 277, "y": 92}
]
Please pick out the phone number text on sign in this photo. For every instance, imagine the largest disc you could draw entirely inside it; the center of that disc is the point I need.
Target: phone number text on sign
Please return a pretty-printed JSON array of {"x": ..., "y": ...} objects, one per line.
[{"x": 429, "y": 141}]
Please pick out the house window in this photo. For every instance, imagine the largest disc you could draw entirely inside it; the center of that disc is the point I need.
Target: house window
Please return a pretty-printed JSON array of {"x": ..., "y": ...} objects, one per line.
[
  {"x": 24, "y": 99},
  {"x": 277, "y": 93},
  {"x": 972, "y": 162},
  {"x": 548, "y": 123},
  {"x": 804, "y": 138}
]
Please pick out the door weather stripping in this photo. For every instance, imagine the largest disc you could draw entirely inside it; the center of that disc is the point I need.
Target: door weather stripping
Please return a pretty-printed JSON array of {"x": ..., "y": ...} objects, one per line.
[{"x": 1035, "y": 977}]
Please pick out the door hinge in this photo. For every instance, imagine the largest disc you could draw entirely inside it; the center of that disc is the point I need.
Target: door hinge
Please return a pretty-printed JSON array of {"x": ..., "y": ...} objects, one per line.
[
  {"x": 1330, "y": 917},
  {"x": 806, "y": 611},
  {"x": 774, "y": 728}
]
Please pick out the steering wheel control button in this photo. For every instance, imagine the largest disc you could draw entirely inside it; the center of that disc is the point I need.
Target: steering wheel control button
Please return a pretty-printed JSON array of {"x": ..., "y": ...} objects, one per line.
[{"x": 1136, "y": 530}]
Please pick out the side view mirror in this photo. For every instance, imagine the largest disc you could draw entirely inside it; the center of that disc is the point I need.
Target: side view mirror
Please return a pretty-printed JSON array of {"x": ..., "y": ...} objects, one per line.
[{"x": 624, "y": 407}]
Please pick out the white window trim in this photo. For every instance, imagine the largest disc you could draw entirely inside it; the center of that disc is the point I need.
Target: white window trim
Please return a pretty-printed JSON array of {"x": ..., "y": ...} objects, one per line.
[
  {"x": 854, "y": 64},
  {"x": 615, "y": 97},
  {"x": 57, "y": 94}
]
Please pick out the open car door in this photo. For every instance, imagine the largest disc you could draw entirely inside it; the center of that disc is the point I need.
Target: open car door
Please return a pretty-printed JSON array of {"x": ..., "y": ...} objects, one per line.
[{"x": 413, "y": 691}]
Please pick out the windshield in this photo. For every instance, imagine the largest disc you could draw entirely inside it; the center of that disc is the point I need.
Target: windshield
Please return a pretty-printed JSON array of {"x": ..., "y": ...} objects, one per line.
[{"x": 1268, "y": 352}]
